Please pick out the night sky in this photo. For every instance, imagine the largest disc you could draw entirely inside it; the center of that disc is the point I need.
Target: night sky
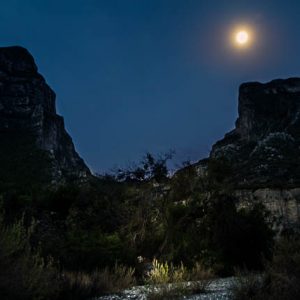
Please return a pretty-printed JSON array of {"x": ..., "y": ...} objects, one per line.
[{"x": 151, "y": 75}]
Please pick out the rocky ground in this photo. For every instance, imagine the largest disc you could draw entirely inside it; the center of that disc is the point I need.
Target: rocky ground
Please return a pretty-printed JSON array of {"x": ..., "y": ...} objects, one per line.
[{"x": 219, "y": 289}]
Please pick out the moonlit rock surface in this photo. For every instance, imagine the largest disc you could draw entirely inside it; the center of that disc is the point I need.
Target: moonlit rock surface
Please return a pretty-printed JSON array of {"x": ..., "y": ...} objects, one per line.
[{"x": 264, "y": 146}]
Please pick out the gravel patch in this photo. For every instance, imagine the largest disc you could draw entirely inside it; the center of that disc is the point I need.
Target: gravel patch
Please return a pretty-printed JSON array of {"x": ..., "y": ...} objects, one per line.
[{"x": 218, "y": 289}]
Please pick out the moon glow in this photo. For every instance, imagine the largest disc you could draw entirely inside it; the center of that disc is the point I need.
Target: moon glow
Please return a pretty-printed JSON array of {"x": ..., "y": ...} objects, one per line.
[{"x": 242, "y": 37}]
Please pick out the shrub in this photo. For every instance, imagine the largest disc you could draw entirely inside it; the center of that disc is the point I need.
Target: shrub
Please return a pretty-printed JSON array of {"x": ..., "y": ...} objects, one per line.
[
  {"x": 236, "y": 238},
  {"x": 24, "y": 274},
  {"x": 281, "y": 280},
  {"x": 283, "y": 274}
]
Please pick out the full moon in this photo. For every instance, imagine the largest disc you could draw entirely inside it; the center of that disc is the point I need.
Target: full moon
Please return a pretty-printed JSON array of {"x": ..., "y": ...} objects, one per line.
[{"x": 242, "y": 37}]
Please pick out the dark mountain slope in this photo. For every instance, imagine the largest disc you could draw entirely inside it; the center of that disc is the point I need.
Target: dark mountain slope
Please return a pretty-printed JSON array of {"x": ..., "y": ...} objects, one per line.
[{"x": 28, "y": 116}]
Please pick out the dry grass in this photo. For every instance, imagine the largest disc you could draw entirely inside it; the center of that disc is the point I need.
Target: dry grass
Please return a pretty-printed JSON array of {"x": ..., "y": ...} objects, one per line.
[
  {"x": 200, "y": 278},
  {"x": 83, "y": 285}
]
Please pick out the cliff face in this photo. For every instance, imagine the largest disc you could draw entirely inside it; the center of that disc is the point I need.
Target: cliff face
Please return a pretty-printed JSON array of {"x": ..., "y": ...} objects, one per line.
[
  {"x": 27, "y": 104},
  {"x": 263, "y": 150},
  {"x": 264, "y": 147},
  {"x": 282, "y": 203},
  {"x": 267, "y": 108}
]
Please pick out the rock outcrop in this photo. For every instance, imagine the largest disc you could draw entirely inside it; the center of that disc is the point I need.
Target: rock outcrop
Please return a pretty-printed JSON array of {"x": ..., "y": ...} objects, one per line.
[
  {"x": 264, "y": 147},
  {"x": 263, "y": 150},
  {"x": 284, "y": 204},
  {"x": 27, "y": 104}
]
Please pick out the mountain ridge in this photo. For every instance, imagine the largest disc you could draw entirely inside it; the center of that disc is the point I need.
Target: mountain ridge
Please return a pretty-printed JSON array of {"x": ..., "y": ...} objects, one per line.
[
  {"x": 266, "y": 137},
  {"x": 27, "y": 104}
]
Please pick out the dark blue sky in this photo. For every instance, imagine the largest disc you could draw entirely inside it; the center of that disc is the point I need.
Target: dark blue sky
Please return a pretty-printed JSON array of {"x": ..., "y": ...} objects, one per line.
[{"x": 151, "y": 75}]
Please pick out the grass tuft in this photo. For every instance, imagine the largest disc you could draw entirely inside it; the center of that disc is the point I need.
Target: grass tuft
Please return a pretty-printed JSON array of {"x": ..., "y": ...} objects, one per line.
[{"x": 173, "y": 282}]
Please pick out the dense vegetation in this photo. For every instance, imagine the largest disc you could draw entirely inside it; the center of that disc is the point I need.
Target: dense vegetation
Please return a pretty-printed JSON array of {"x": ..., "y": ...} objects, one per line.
[
  {"x": 81, "y": 228},
  {"x": 281, "y": 279}
]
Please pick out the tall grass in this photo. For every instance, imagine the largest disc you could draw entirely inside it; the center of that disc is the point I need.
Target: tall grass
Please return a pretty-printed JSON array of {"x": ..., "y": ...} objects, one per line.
[
  {"x": 168, "y": 281},
  {"x": 163, "y": 273},
  {"x": 79, "y": 285},
  {"x": 200, "y": 278}
]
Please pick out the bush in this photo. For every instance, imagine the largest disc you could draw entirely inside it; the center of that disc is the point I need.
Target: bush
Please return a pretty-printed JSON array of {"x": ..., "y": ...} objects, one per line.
[
  {"x": 236, "y": 238},
  {"x": 24, "y": 274},
  {"x": 281, "y": 280},
  {"x": 213, "y": 230}
]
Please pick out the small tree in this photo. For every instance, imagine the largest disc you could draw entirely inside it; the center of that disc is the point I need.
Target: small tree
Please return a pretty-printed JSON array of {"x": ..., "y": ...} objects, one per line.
[{"x": 149, "y": 168}]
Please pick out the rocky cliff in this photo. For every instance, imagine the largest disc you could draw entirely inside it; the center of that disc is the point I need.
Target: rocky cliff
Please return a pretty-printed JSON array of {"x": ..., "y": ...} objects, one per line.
[
  {"x": 27, "y": 106},
  {"x": 264, "y": 147},
  {"x": 263, "y": 150},
  {"x": 284, "y": 204}
]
